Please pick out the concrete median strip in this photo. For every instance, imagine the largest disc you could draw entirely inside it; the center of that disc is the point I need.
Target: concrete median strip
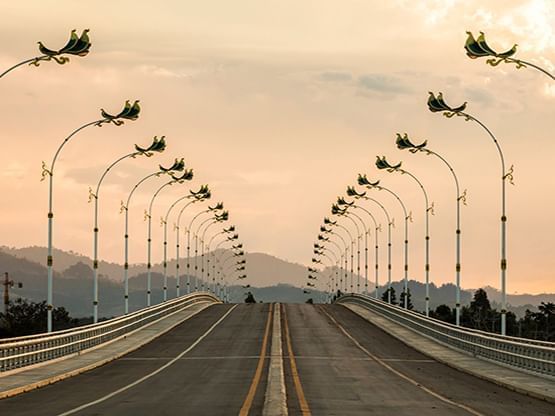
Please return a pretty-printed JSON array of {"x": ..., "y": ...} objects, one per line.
[
  {"x": 33, "y": 378},
  {"x": 275, "y": 401}
]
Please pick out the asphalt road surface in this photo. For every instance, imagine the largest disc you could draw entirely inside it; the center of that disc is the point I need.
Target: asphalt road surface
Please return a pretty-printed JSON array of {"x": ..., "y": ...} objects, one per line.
[
  {"x": 347, "y": 366},
  {"x": 212, "y": 379},
  {"x": 216, "y": 363}
]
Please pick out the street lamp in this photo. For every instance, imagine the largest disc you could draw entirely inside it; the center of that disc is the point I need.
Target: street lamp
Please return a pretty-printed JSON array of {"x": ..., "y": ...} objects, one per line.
[
  {"x": 382, "y": 163},
  {"x": 218, "y": 207},
  {"x": 478, "y": 48},
  {"x": 186, "y": 176},
  {"x": 377, "y": 228},
  {"x": 227, "y": 231},
  {"x": 177, "y": 165},
  {"x": 224, "y": 216},
  {"x": 337, "y": 263},
  {"x": 345, "y": 250},
  {"x": 129, "y": 112},
  {"x": 216, "y": 260},
  {"x": 158, "y": 145},
  {"x": 322, "y": 252},
  {"x": 340, "y": 203},
  {"x": 76, "y": 46},
  {"x": 335, "y": 210},
  {"x": 352, "y": 192},
  {"x": 403, "y": 142},
  {"x": 436, "y": 104},
  {"x": 198, "y": 197},
  {"x": 363, "y": 181},
  {"x": 201, "y": 195}
]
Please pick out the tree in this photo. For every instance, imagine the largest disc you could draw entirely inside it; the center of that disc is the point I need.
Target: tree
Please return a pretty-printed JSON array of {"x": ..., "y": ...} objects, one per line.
[
  {"x": 250, "y": 298},
  {"x": 26, "y": 318},
  {"x": 443, "y": 313},
  {"x": 393, "y": 297},
  {"x": 480, "y": 314},
  {"x": 410, "y": 306}
]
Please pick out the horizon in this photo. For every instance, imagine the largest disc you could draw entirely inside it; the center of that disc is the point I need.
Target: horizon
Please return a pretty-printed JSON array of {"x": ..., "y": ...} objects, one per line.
[{"x": 383, "y": 284}]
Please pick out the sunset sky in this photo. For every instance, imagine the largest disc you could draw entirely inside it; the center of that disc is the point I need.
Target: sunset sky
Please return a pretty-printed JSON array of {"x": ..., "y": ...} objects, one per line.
[{"x": 278, "y": 105}]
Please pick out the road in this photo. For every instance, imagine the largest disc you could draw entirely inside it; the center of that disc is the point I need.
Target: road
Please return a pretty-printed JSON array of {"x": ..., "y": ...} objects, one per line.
[
  {"x": 212, "y": 379},
  {"x": 216, "y": 363},
  {"x": 354, "y": 368}
]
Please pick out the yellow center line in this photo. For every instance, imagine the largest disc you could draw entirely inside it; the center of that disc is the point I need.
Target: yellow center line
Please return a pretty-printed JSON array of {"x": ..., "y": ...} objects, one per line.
[
  {"x": 305, "y": 410},
  {"x": 398, "y": 373},
  {"x": 258, "y": 373}
]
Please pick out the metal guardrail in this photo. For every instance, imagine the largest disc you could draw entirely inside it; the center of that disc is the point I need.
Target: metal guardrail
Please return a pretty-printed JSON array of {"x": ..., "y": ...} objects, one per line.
[
  {"x": 537, "y": 357},
  {"x": 33, "y": 349}
]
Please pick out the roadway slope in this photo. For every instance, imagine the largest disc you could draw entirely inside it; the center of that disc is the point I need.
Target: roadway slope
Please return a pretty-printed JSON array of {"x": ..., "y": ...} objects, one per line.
[
  {"x": 211, "y": 378},
  {"x": 348, "y": 366}
]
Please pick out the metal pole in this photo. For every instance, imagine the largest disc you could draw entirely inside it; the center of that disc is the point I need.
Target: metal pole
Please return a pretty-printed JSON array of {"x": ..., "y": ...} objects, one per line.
[
  {"x": 95, "y": 196},
  {"x": 126, "y": 263},
  {"x": 49, "y": 257}
]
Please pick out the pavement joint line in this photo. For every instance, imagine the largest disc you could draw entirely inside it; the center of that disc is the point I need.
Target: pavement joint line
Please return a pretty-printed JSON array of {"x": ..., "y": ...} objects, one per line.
[
  {"x": 245, "y": 408},
  {"x": 51, "y": 379},
  {"x": 275, "y": 401},
  {"x": 152, "y": 373},
  {"x": 502, "y": 376},
  {"x": 303, "y": 405},
  {"x": 399, "y": 373}
]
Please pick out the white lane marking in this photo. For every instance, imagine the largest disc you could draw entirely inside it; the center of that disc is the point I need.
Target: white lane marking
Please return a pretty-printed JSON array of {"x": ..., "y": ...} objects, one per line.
[
  {"x": 140, "y": 380},
  {"x": 275, "y": 401},
  {"x": 398, "y": 373}
]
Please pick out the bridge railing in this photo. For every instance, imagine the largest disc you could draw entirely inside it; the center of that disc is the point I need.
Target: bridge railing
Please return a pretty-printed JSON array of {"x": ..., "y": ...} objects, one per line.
[
  {"x": 33, "y": 349},
  {"x": 537, "y": 357}
]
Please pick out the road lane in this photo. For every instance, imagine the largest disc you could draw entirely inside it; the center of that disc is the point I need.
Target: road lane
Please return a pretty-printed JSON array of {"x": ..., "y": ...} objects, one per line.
[
  {"x": 213, "y": 378},
  {"x": 339, "y": 378}
]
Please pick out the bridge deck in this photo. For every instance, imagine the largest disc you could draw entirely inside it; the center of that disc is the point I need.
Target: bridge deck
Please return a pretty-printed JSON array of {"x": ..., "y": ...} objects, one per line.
[{"x": 211, "y": 365}]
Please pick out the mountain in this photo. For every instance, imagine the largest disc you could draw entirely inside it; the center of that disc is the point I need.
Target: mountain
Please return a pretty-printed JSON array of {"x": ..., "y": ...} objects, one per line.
[{"x": 270, "y": 279}]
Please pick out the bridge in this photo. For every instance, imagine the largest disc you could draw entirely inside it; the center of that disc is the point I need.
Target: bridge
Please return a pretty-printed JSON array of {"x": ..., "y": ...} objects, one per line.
[{"x": 195, "y": 355}]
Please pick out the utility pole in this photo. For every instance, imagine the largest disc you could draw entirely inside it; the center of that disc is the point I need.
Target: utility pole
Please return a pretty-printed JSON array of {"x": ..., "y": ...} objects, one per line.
[{"x": 7, "y": 283}]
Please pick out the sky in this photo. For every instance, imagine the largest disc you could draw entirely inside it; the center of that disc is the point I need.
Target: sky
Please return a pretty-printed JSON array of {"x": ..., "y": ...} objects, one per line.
[{"x": 278, "y": 105}]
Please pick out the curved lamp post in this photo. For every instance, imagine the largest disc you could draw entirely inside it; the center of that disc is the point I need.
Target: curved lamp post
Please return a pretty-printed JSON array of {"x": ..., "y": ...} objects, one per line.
[
  {"x": 342, "y": 253},
  {"x": 321, "y": 252},
  {"x": 478, "y": 48},
  {"x": 345, "y": 250},
  {"x": 186, "y": 176},
  {"x": 227, "y": 231},
  {"x": 352, "y": 192},
  {"x": 129, "y": 112},
  {"x": 436, "y": 104},
  {"x": 202, "y": 194},
  {"x": 158, "y": 145},
  {"x": 224, "y": 216},
  {"x": 377, "y": 228},
  {"x": 403, "y": 142},
  {"x": 335, "y": 210},
  {"x": 363, "y": 181},
  {"x": 199, "y": 196},
  {"x": 321, "y": 248},
  {"x": 382, "y": 163},
  {"x": 218, "y": 207},
  {"x": 76, "y": 46},
  {"x": 125, "y": 208},
  {"x": 343, "y": 206},
  {"x": 216, "y": 260}
]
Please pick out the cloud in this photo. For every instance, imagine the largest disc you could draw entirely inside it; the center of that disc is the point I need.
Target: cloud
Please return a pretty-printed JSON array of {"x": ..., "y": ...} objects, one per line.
[
  {"x": 382, "y": 84},
  {"x": 335, "y": 76}
]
